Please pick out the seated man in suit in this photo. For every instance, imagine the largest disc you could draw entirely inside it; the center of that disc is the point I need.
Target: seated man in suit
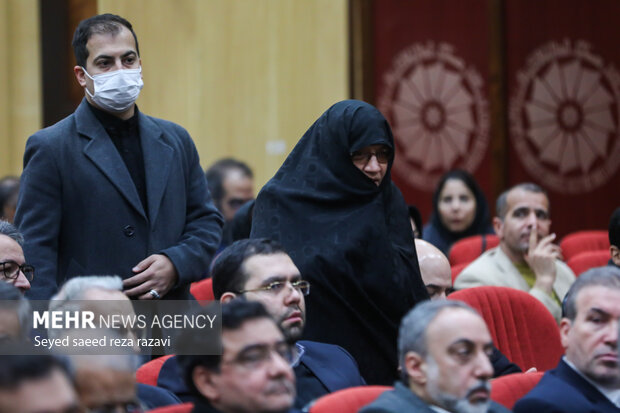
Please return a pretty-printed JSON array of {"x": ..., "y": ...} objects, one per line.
[
  {"x": 526, "y": 258},
  {"x": 260, "y": 270},
  {"x": 588, "y": 376},
  {"x": 443, "y": 348},
  {"x": 614, "y": 238},
  {"x": 253, "y": 373},
  {"x": 437, "y": 277}
]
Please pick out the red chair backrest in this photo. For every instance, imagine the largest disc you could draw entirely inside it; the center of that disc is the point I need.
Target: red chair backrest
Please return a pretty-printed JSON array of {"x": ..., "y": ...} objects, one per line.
[
  {"x": 521, "y": 326},
  {"x": 580, "y": 241},
  {"x": 506, "y": 390},
  {"x": 149, "y": 371},
  {"x": 348, "y": 400},
  {"x": 202, "y": 290},
  {"x": 456, "y": 270},
  {"x": 175, "y": 408},
  {"x": 588, "y": 259},
  {"x": 468, "y": 249}
]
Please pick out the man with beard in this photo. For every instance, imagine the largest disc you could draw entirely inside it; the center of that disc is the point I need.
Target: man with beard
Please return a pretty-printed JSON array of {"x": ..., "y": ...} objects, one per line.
[
  {"x": 526, "y": 258},
  {"x": 260, "y": 270},
  {"x": 587, "y": 377},
  {"x": 443, "y": 350}
]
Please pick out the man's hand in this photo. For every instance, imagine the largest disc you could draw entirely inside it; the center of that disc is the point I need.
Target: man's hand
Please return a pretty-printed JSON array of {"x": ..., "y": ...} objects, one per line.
[
  {"x": 541, "y": 258},
  {"x": 155, "y": 272}
]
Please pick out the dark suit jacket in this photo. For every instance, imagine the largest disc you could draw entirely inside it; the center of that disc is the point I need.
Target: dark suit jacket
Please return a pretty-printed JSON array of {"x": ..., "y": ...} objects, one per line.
[
  {"x": 332, "y": 366},
  {"x": 401, "y": 400},
  {"x": 81, "y": 214},
  {"x": 562, "y": 390},
  {"x": 153, "y": 397}
]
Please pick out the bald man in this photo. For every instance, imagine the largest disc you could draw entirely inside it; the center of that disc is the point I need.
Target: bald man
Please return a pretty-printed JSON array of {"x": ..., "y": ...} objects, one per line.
[
  {"x": 435, "y": 269},
  {"x": 437, "y": 277}
]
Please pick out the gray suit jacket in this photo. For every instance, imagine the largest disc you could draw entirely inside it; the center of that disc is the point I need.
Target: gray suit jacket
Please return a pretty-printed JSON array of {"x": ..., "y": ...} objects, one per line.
[
  {"x": 495, "y": 268},
  {"x": 81, "y": 214},
  {"x": 402, "y": 400}
]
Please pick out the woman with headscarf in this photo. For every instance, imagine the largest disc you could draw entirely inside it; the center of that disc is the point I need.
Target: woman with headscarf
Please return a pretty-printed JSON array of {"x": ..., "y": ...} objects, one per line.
[
  {"x": 460, "y": 210},
  {"x": 333, "y": 206}
]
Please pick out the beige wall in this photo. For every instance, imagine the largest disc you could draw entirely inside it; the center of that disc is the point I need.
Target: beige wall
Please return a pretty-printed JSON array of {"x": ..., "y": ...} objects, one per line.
[
  {"x": 245, "y": 77},
  {"x": 20, "y": 80}
]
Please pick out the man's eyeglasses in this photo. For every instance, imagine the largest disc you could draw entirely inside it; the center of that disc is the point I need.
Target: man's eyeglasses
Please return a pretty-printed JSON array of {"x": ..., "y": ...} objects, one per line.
[
  {"x": 11, "y": 270},
  {"x": 277, "y": 287},
  {"x": 255, "y": 357},
  {"x": 382, "y": 155}
]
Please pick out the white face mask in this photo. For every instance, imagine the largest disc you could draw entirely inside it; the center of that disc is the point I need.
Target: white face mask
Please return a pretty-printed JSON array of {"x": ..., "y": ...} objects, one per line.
[{"x": 116, "y": 91}]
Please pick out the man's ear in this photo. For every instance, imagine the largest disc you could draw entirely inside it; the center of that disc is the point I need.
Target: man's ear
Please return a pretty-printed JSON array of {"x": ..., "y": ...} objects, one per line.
[
  {"x": 79, "y": 75},
  {"x": 206, "y": 382},
  {"x": 227, "y": 297},
  {"x": 615, "y": 254},
  {"x": 498, "y": 226},
  {"x": 565, "y": 326},
  {"x": 416, "y": 368}
]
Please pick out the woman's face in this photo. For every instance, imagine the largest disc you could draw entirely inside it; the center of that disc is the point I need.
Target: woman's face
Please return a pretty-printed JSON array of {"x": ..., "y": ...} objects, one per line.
[
  {"x": 373, "y": 161},
  {"x": 457, "y": 205}
]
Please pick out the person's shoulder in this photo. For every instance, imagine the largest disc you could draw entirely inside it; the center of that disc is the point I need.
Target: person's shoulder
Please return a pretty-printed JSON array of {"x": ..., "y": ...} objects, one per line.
[
  {"x": 164, "y": 124},
  {"x": 317, "y": 349},
  {"x": 481, "y": 267}
]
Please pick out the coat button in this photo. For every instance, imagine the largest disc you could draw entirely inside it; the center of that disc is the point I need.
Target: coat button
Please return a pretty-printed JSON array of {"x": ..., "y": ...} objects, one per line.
[{"x": 129, "y": 231}]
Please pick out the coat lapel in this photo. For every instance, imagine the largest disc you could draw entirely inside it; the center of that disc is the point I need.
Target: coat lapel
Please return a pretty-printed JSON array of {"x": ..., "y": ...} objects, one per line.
[
  {"x": 158, "y": 156},
  {"x": 101, "y": 151}
]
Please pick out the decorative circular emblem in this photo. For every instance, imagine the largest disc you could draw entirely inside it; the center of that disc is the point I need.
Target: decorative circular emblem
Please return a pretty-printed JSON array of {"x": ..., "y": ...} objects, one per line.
[
  {"x": 439, "y": 117},
  {"x": 564, "y": 117}
]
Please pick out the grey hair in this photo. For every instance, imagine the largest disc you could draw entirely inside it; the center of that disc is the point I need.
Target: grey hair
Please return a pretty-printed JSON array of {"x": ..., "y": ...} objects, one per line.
[
  {"x": 12, "y": 299},
  {"x": 412, "y": 332},
  {"x": 501, "y": 205},
  {"x": 606, "y": 276},
  {"x": 67, "y": 299},
  {"x": 117, "y": 362},
  {"x": 8, "y": 229}
]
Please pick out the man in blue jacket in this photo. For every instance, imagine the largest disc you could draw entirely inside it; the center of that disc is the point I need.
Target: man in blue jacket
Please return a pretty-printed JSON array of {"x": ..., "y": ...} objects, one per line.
[
  {"x": 109, "y": 190},
  {"x": 260, "y": 270}
]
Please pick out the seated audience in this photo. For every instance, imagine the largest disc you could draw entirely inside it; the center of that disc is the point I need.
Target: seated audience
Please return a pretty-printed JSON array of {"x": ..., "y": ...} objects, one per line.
[
  {"x": 260, "y": 270},
  {"x": 34, "y": 383},
  {"x": 460, "y": 210},
  {"x": 253, "y": 374},
  {"x": 437, "y": 277},
  {"x": 587, "y": 379},
  {"x": 334, "y": 208},
  {"x": 12, "y": 262},
  {"x": 526, "y": 258},
  {"x": 614, "y": 238},
  {"x": 14, "y": 314},
  {"x": 9, "y": 191},
  {"x": 103, "y": 296},
  {"x": 443, "y": 348}
]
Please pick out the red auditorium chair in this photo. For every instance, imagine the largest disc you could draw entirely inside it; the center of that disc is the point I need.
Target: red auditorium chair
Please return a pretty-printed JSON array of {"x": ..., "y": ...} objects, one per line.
[
  {"x": 348, "y": 400},
  {"x": 175, "y": 408},
  {"x": 506, "y": 390},
  {"x": 149, "y": 371},
  {"x": 521, "y": 326},
  {"x": 456, "y": 270},
  {"x": 580, "y": 241},
  {"x": 588, "y": 259},
  {"x": 202, "y": 290},
  {"x": 468, "y": 249}
]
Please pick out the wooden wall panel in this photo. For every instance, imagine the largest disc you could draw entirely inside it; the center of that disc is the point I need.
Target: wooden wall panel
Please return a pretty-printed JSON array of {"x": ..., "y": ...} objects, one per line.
[
  {"x": 20, "y": 84},
  {"x": 245, "y": 77}
]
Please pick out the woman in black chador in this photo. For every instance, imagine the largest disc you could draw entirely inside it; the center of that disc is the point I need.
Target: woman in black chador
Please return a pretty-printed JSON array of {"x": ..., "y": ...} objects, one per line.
[{"x": 344, "y": 223}]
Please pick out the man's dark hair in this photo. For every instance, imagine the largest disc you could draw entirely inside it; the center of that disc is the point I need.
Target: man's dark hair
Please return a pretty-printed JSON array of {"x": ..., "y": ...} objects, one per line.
[
  {"x": 16, "y": 368},
  {"x": 501, "y": 205},
  {"x": 9, "y": 190},
  {"x": 100, "y": 24},
  {"x": 234, "y": 314},
  {"x": 228, "y": 273},
  {"x": 607, "y": 276},
  {"x": 217, "y": 172},
  {"x": 614, "y": 228},
  {"x": 8, "y": 229}
]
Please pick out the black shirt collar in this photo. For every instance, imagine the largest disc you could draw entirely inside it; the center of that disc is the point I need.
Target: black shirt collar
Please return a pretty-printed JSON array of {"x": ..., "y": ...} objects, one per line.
[{"x": 109, "y": 121}]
